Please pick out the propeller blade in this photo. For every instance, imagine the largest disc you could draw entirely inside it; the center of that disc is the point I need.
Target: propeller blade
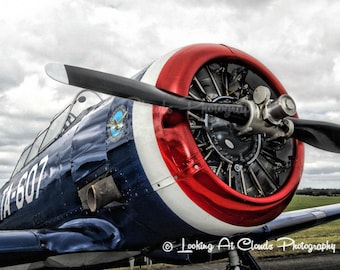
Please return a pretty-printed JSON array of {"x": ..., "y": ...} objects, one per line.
[
  {"x": 323, "y": 135},
  {"x": 132, "y": 89}
]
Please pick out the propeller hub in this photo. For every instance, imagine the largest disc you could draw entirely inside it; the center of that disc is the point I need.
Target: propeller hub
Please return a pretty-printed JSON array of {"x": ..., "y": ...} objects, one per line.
[{"x": 268, "y": 116}]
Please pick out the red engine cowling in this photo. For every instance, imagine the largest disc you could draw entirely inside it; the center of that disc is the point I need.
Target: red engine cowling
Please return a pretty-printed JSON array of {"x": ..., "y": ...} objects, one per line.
[{"x": 209, "y": 175}]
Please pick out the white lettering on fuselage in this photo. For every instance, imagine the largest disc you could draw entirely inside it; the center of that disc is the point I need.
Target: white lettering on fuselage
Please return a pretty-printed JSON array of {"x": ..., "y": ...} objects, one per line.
[{"x": 27, "y": 190}]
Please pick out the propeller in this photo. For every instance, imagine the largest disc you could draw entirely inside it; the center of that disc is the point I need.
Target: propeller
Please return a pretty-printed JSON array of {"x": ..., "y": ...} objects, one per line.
[
  {"x": 132, "y": 89},
  {"x": 319, "y": 134},
  {"x": 322, "y": 135}
]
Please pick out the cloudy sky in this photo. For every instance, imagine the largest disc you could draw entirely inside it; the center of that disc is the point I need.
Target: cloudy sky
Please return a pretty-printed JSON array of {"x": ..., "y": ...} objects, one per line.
[{"x": 298, "y": 40}]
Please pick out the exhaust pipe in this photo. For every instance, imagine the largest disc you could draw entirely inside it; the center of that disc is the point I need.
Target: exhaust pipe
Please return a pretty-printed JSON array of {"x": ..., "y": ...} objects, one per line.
[{"x": 102, "y": 193}]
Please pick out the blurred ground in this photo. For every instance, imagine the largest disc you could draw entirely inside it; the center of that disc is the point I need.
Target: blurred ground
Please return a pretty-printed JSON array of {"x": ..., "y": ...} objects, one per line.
[{"x": 313, "y": 261}]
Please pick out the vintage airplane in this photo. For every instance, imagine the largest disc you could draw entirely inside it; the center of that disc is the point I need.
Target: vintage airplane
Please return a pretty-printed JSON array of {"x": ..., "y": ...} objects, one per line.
[{"x": 202, "y": 145}]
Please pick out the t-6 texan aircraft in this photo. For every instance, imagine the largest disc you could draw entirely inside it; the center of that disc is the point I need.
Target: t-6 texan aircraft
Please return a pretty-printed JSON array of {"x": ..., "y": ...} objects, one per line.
[{"x": 202, "y": 145}]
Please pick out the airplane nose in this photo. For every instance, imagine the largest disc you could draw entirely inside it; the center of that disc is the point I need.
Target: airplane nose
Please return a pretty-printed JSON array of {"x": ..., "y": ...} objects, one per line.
[{"x": 243, "y": 180}]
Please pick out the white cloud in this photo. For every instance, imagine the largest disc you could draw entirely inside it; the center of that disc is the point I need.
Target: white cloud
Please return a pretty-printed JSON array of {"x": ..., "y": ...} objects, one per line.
[
  {"x": 336, "y": 69},
  {"x": 298, "y": 40}
]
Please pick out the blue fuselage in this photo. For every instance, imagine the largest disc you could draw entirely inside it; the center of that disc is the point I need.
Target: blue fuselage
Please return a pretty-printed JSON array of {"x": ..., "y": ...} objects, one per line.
[{"x": 52, "y": 188}]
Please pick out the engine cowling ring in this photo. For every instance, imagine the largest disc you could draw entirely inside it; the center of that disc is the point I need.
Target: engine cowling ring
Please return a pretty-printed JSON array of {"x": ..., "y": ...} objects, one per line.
[{"x": 186, "y": 161}]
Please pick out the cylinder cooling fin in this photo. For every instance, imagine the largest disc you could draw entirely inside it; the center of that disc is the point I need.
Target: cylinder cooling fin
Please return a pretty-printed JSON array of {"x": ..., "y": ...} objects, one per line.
[
  {"x": 243, "y": 180},
  {"x": 250, "y": 165}
]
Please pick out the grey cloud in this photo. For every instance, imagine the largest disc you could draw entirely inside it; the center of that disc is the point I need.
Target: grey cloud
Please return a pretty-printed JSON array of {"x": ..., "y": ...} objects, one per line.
[
  {"x": 11, "y": 73},
  {"x": 322, "y": 170},
  {"x": 297, "y": 40}
]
